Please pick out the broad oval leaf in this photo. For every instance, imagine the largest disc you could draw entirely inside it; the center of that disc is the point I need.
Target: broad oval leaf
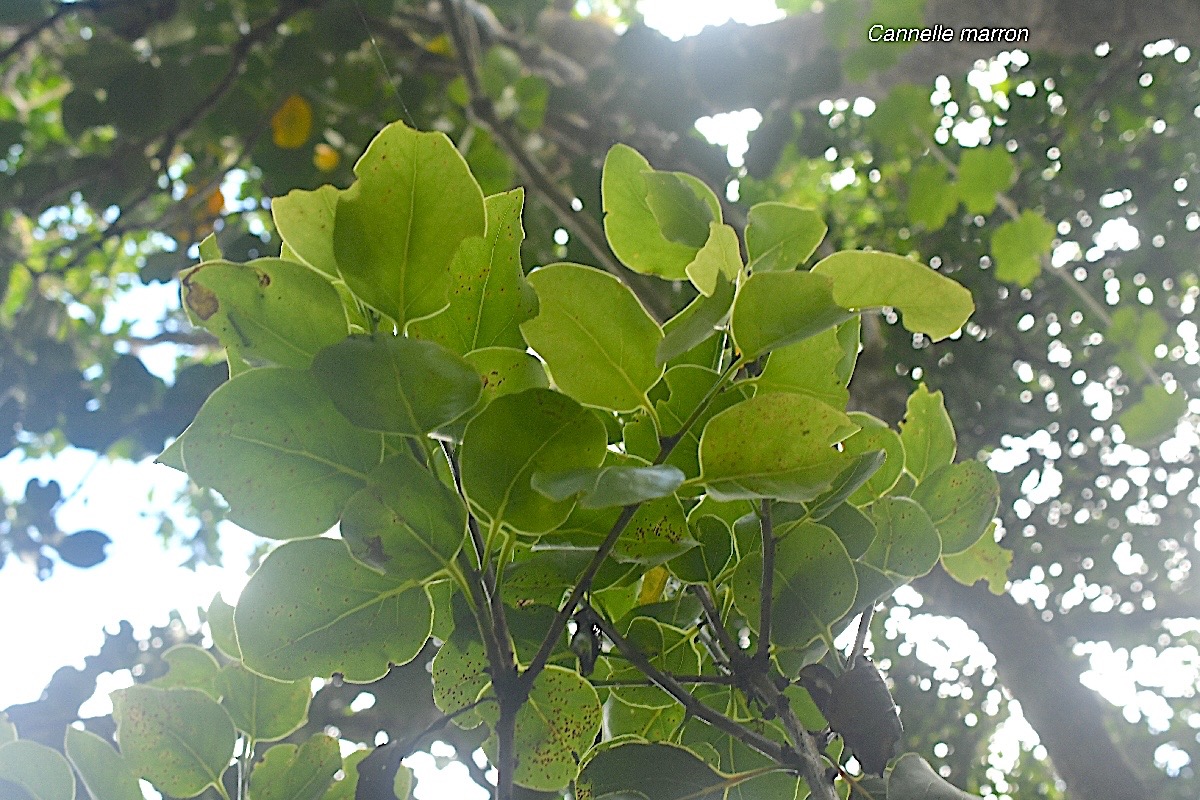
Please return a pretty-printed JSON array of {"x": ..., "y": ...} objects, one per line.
[
  {"x": 696, "y": 323},
  {"x": 312, "y": 610},
  {"x": 630, "y": 225},
  {"x": 394, "y": 384},
  {"x": 180, "y": 740},
  {"x": 558, "y": 721},
  {"x": 288, "y": 772},
  {"x": 304, "y": 220},
  {"x": 262, "y": 708},
  {"x": 820, "y": 366},
  {"x": 927, "y": 433},
  {"x": 906, "y": 543},
  {"x": 518, "y": 435},
  {"x": 503, "y": 370},
  {"x": 773, "y": 309},
  {"x": 778, "y": 445},
  {"x": 459, "y": 677},
  {"x": 928, "y": 302},
  {"x": 43, "y": 773},
  {"x": 598, "y": 342},
  {"x": 605, "y": 487},
  {"x": 815, "y": 585},
  {"x": 267, "y": 311},
  {"x": 961, "y": 499},
  {"x": 285, "y": 460},
  {"x": 660, "y": 771},
  {"x": 708, "y": 559},
  {"x": 780, "y": 236},
  {"x": 220, "y": 627},
  {"x": 406, "y": 523},
  {"x": 720, "y": 257},
  {"x": 489, "y": 296},
  {"x": 397, "y": 228},
  {"x": 983, "y": 172},
  {"x": 875, "y": 435},
  {"x": 190, "y": 667},
  {"x": 102, "y": 769},
  {"x": 985, "y": 560}
]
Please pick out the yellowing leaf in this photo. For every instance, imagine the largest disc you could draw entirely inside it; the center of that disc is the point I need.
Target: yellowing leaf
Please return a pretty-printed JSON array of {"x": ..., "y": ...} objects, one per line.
[
  {"x": 325, "y": 158},
  {"x": 292, "y": 123}
]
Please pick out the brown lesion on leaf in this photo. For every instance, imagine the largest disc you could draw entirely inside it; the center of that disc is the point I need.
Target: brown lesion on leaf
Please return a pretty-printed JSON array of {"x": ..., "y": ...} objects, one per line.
[{"x": 201, "y": 300}]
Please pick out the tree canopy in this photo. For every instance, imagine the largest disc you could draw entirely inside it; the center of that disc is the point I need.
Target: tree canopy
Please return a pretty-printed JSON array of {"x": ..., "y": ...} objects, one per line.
[{"x": 951, "y": 282}]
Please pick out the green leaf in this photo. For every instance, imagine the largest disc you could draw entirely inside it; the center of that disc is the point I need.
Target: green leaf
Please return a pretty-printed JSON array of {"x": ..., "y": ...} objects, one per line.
[
  {"x": 853, "y": 527},
  {"x": 267, "y": 311},
  {"x": 687, "y": 384},
  {"x": 861, "y": 468},
  {"x": 103, "y": 770},
  {"x": 395, "y": 384},
  {"x": 653, "y": 724},
  {"x": 721, "y": 256},
  {"x": 37, "y": 769},
  {"x": 911, "y": 778},
  {"x": 984, "y": 560},
  {"x": 209, "y": 249},
  {"x": 961, "y": 499},
  {"x": 930, "y": 303},
  {"x": 489, "y": 296},
  {"x": 598, "y": 343},
  {"x": 180, "y": 740},
  {"x": 907, "y": 543},
  {"x": 288, "y": 772},
  {"x": 397, "y": 228},
  {"x": 558, "y": 721},
  {"x": 927, "y": 433},
  {"x": 1154, "y": 417},
  {"x": 304, "y": 220},
  {"x": 344, "y": 788},
  {"x": 8, "y": 731},
  {"x": 696, "y": 323},
  {"x": 983, "y": 172},
  {"x": 657, "y": 532},
  {"x": 283, "y": 457},
  {"x": 220, "y": 627},
  {"x": 774, "y": 309},
  {"x": 632, "y": 230},
  {"x": 875, "y": 434},
  {"x": 459, "y": 677},
  {"x": 706, "y": 561},
  {"x": 190, "y": 667},
  {"x": 658, "y": 771},
  {"x": 518, "y": 435},
  {"x": 780, "y": 237},
  {"x": 819, "y": 366},
  {"x": 1019, "y": 246},
  {"x": 680, "y": 209},
  {"x": 814, "y": 585},
  {"x": 667, "y": 647},
  {"x": 406, "y": 523},
  {"x": 932, "y": 196},
  {"x": 312, "y": 610},
  {"x": 777, "y": 445},
  {"x": 264, "y": 709},
  {"x": 604, "y": 487}
]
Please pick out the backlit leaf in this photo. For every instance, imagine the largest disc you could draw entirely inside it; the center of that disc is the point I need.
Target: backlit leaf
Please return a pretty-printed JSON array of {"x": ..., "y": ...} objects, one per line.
[
  {"x": 912, "y": 778},
  {"x": 927, "y": 433},
  {"x": 43, "y": 773},
  {"x": 906, "y": 543},
  {"x": 779, "y": 236},
  {"x": 283, "y": 457},
  {"x": 397, "y": 228},
  {"x": 394, "y": 384},
  {"x": 932, "y": 195},
  {"x": 961, "y": 499},
  {"x": 1020, "y": 245},
  {"x": 777, "y": 445},
  {"x": 180, "y": 740},
  {"x": 610, "y": 486},
  {"x": 1154, "y": 417},
  {"x": 263, "y": 708},
  {"x": 312, "y": 610},
  {"x": 489, "y": 296},
  {"x": 598, "y": 343},
  {"x": 304, "y": 220},
  {"x": 928, "y": 302},
  {"x": 521, "y": 434},
  {"x": 773, "y": 309},
  {"x": 658, "y": 771},
  {"x": 103, "y": 770},
  {"x": 984, "y": 560},
  {"x": 267, "y": 311},
  {"x": 982, "y": 173},
  {"x": 819, "y": 366},
  {"x": 288, "y": 772},
  {"x": 721, "y": 256}
]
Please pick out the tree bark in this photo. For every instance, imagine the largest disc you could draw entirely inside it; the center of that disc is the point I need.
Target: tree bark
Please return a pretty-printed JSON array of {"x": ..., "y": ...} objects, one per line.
[{"x": 1069, "y": 718}]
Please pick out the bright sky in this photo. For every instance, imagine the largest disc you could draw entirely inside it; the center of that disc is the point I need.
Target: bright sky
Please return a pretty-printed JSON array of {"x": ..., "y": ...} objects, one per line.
[{"x": 54, "y": 623}]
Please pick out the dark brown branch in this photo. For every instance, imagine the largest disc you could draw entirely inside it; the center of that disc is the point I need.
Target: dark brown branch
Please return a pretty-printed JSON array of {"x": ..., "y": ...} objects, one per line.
[{"x": 762, "y": 654}]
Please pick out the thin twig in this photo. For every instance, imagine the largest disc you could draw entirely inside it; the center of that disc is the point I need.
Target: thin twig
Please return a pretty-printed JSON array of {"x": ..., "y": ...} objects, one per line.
[{"x": 762, "y": 654}]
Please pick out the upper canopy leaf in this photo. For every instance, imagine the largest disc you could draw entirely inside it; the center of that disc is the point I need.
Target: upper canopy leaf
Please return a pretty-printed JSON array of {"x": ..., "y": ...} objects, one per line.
[
  {"x": 780, "y": 236},
  {"x": 598, "y": 342},
  {"x": 397, "y": 228},
  {"x": 929, "y": 302},
  {"x": 773, "y": 309},
  {"x": 395, "y": 384}
]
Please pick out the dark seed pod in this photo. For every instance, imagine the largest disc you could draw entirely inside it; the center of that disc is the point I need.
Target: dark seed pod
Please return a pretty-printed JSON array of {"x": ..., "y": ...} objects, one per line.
[{"x": 859, "y": 708}]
